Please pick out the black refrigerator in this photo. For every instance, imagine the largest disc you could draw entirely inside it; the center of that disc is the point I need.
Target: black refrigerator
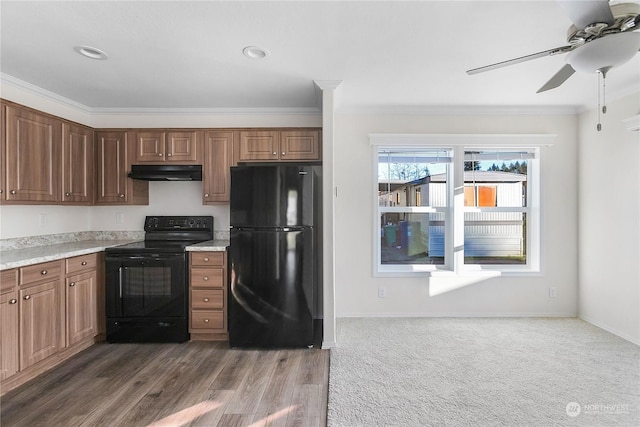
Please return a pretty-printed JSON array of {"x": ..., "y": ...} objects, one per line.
[{"x": 275, "y": 256}]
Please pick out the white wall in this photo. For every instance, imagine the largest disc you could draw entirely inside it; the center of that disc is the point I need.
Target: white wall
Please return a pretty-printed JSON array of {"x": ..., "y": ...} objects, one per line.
[
  {"x": 609, "y": 204},
  {"x": 357, "y": 289}
]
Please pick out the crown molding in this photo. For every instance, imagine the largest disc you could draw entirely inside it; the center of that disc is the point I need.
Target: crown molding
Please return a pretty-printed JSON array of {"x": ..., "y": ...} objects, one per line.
[
  {"x": 460, "y": 110},
  {"x": 206, "y": 111},
  {"x": 21, "y": 85},
  {"x": 32, "y": 89},
  {"x": 632, "y": 123},
  {"x": 328, "y": 84}
]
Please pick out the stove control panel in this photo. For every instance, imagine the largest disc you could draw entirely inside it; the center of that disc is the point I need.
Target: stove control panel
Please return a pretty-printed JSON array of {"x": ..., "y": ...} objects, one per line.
[{"x": 157, "y": 223}]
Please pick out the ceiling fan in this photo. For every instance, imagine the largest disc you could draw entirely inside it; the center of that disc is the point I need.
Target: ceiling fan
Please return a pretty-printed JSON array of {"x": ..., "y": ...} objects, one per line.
[{"x": 601, "y": 37}]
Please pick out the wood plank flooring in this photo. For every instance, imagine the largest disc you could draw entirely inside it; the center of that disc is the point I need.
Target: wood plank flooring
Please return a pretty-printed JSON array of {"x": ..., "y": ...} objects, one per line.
[{"x": 190, "y": 384}]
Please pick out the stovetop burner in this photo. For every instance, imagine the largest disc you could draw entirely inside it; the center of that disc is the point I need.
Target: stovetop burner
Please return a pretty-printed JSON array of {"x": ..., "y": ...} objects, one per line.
[{"x": 169, "y": 234}]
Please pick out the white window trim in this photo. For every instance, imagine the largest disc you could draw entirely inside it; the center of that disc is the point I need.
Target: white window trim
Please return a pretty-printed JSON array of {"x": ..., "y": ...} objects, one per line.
[{"x": 454, "y": 230}]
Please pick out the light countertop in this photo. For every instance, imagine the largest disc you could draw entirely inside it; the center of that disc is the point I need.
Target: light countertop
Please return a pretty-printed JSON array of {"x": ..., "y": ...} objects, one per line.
[
  {"x": 209, "y": 246},
  {"x": 37, "y": 254}
]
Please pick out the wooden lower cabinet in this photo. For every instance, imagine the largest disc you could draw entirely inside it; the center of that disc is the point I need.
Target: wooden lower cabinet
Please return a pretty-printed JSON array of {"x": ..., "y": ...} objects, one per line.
[
  {"x": 9, "y": 356},
  {"x": 81, "y": 304},
  {"x": 39, "y": 322},
  {"x": 48, "y": 313},
  {"x": 208, "y": 296}
]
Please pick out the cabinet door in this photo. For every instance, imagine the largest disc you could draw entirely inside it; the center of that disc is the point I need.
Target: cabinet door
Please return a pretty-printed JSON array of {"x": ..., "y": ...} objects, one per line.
[
  {"x": 81, "y": 307},
  {"x": 8, "y": 334},
  {"x": 39, "y": 322},
  {"x": 33, "y": 156},
  {"x": 3, "y": 147},
  {"x": 216, "y": 180},
  {"x": 111, "y": 168},
  {"x": 258, "y": 146},
  {"x": 300, "y": 145},
  {"x": 150, "y": 147},
  {"x": 77, "y": 165},
  {"x": 182, "y": 147}
]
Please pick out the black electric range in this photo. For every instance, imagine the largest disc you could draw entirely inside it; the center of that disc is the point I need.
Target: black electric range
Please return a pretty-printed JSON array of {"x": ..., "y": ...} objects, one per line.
[{"x": 146, "y": 282}]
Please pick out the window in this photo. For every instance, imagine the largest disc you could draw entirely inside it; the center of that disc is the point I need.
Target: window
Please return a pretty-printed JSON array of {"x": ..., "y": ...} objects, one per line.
[
  {"x": 411, "y": 210},
  {"x": 461, "y": 207}
]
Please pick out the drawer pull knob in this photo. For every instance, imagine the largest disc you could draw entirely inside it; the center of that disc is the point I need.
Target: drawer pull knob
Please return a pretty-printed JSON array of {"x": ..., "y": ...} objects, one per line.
[
  {"x": 13, "y": 191},
  {"x": 13, "y": 301},
  {"x": 159, "y": 154},
  {"x": 206, "y": 195},
  {"x": 206, "y": 320},
  {"x": 84, "y": 262},
  {"x": 72, "y": 284},
  {"x": 122, "y": 196},
  {"x": 206, "y": 260},
  {"x": 283, "y": 153},
  {"x": 169, "y": 155},
  {"x": 274, "y": 153},
  {"x": 205, "y": 278},
  {"x": 27, "y": 297},
  {"x": 44, "y": 272},
  {"x": 206, "y": 300},
  {"x": 67, "y": 194}
]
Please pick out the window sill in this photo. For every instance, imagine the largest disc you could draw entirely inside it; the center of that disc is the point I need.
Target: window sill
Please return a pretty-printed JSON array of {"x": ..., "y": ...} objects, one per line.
[{"x": 484, "y": 273}]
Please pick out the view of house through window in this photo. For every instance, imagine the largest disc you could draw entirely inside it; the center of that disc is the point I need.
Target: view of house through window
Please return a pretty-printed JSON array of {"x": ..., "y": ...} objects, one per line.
[
  {"x": 412, "y": 211},
  {"x": 415, "y": 203}
]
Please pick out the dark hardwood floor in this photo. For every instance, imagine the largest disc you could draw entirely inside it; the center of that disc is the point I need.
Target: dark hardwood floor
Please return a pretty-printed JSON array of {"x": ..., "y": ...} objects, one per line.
[{"x": 190, "y": 384}]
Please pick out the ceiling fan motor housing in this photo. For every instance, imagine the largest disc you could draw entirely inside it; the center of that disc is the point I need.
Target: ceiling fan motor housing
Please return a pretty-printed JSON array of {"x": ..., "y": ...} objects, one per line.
[{"x": 626, "y": 17}]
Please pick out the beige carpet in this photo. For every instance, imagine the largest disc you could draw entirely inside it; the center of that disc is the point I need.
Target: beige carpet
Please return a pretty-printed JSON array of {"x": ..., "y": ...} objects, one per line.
[{"x": 481, "y": 372}]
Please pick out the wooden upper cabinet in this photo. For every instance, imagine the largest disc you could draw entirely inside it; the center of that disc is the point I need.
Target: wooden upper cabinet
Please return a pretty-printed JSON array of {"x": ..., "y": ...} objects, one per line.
[
  {"x": 33, "y": 149},
  {"x": 3, "y": 147},
  {"x": 158, "y": 147},
  {"x": 114, "y": 187},
  {"x": 77, "y": 165},
  {"x": 278, "y": 146},
  {"x": 216, "y": 179},
  {"x": 300, "y": 145},
  {"x": 258, "y": 146}
]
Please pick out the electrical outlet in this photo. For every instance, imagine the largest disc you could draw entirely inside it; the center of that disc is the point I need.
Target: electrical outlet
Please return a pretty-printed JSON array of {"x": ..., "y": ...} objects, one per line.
[
  {"x": 42, "y": 219},
  {"x": 119, "y": 218},
  {"x": 382, "y": 292},
  {"x": 552, "y": 292}
]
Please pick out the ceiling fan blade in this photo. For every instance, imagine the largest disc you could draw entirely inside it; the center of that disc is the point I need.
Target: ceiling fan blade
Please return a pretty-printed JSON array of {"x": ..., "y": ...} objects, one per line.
[
  {"x": 559, "y": 78},
  {"x": 550, "y": 52},
  {"x": 586, "y": 12}
]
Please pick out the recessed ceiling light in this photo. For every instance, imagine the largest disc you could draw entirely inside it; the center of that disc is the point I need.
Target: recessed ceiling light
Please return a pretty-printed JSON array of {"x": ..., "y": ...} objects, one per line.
[
  {"x": 255, "y": 52},
  {"x": 91, "y": 52}
]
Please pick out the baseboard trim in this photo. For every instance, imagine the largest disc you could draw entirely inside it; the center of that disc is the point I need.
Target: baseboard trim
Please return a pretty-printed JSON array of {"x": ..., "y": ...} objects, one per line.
[
  {"x": 456, "y": 314},
  {"x": 634, "y": 340}
]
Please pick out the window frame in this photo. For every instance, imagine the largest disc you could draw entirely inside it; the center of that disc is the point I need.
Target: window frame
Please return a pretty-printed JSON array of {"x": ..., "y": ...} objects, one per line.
[{"x": 455, "y": 210}]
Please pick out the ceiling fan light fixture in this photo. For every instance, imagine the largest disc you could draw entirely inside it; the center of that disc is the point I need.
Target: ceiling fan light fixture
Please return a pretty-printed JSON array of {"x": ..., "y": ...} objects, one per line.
[
  {"x": 605, "y": 52},
  {"x": 91, "y": 52}
]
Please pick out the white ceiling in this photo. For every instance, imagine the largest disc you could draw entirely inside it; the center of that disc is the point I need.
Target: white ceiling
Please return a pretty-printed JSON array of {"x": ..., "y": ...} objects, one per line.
[{"x": 389, "y": 54}]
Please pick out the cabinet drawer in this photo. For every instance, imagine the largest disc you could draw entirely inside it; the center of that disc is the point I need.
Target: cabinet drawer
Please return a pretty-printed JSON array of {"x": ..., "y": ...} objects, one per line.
[
  {"x": 207, "y": 299},
  {"x": 207, "y": 258},
  {"x": 207, "y": 277},
  {"x": 83, "y": 262},
  {"x": 207, "y": 320},
  {"x": 8, "y": 280},
  {"x": 39, "y": 272}
]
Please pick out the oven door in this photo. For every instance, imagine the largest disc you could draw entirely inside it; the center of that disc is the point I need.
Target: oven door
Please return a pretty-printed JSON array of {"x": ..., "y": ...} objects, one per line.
[{"x": 145, "y": 286}]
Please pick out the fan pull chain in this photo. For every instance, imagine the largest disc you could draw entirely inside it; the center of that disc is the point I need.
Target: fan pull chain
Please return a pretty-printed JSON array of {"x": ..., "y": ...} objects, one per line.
[
  {"x": 599, "y": 125},
  {"x": 603, "y": 109}
]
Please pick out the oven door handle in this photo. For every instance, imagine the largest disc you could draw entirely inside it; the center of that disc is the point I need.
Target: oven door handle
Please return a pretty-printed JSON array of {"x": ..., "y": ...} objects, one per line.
[{"x": 120, "y": 279}]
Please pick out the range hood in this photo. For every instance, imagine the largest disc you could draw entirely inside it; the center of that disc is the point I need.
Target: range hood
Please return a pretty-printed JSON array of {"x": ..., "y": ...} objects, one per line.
[{"x": 166, "y": 172}]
